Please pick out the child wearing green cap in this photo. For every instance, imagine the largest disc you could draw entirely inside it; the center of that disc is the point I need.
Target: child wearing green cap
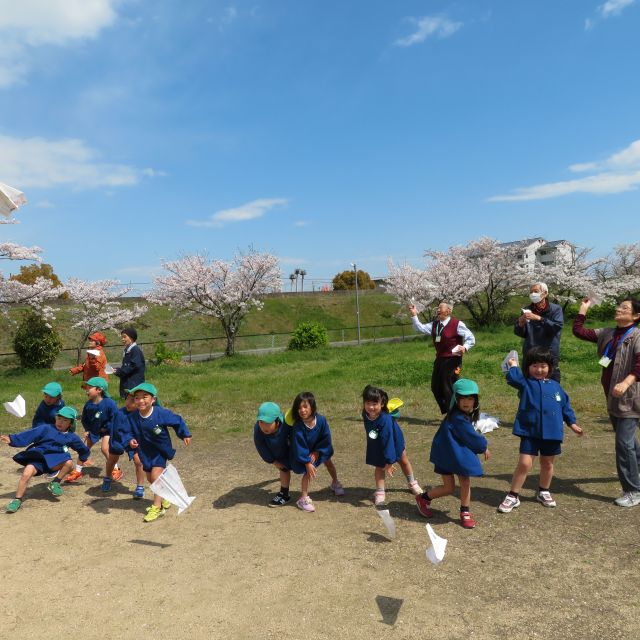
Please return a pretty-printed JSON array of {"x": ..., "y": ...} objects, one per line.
[
  {"x": 47, "y": 452},
  {"x": 97, "y": 420},
  {"x": 455, "y": 449},
  {"x": 271, "y": 437},
  {"x": 49, "y": 406},
  {"x": 148, "y": 435}
]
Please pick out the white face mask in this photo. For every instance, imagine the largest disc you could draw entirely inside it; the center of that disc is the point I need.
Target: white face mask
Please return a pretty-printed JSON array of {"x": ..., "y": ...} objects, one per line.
[{"x": 535, "y": 297}]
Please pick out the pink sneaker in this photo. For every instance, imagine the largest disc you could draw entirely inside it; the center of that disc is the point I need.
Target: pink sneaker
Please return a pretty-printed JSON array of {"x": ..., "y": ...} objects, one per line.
[
  {"x": 378, "y": 497},
  {"x": 337, "y": 488},
  {"x": 415, "y": 488},
  {"x": 424, "y": 506},
  {"x": 306, "y": 504}
]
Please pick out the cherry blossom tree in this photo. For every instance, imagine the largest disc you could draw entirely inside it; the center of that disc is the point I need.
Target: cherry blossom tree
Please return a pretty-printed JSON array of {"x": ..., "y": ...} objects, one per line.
[
  {"x": 409, "y": 285},
  {"x": 98, "y": 305},
  {"x": 223, "y": 290}
]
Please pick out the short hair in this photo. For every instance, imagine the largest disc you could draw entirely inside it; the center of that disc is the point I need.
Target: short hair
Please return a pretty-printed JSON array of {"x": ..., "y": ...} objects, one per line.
[
  {"x": 535, "y": 355},
  {"x": 635, "y": 305},
  {"x": 542, "y": 285},
  {"x": 299, "y": 399},
  {"x": 375, "y": 394},
  {"x": 447, "y": 303}
]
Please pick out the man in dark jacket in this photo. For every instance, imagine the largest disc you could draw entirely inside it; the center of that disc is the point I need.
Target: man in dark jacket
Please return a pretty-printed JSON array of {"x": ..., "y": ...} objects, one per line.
[
  {"x": 540, "y": 325},
  {"x": 131, "y": 373}
]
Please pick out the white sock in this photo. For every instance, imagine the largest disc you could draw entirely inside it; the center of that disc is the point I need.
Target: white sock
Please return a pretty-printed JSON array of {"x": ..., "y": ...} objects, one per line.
[{"x": 79, "y": 468}]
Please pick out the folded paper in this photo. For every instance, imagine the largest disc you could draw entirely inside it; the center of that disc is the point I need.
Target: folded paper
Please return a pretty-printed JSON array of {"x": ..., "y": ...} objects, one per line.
[
  {"x": 435, "y": 553},
  {"x": 169, "y": 486},
  {"x": 388, "y": 522},
  {"x": 16, "y": 407}
]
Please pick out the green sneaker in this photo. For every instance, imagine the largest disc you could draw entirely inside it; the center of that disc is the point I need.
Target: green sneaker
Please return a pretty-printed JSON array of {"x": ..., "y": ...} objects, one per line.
[
  {"x": 55, "y": 488},
  {"x": 14, "y": 505},
  {"x": 153, "y": 513}
]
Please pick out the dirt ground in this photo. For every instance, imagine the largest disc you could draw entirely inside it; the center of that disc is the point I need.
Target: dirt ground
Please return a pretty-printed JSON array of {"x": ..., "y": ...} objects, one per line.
[{"x": 86, "y": 565}]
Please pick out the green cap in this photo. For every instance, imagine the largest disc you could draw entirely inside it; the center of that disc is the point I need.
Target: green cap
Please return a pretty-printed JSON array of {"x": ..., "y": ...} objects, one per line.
[
  {"x": 68, "y": 412},
  {"x": 101, "y": 383},
  {"x": 144, "y": 386},
  {"x": 269, "y": 412},
  {"x": 464, "y": 387},
  {"x": 53, "y": 389}
]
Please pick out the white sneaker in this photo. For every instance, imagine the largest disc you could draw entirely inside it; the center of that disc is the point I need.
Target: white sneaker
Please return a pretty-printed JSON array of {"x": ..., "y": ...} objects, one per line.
[
  {"x": 628, "y": 499},
  {"x": 509, "y": 504},
  {"x": 545, "y": 498}
]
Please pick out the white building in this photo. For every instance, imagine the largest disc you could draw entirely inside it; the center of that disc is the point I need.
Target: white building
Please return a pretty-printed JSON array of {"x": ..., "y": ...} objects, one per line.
[{"x": 538, "y": 251}]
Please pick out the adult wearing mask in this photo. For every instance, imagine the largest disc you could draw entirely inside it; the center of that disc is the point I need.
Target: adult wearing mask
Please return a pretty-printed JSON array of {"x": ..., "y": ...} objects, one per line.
[
  {"x": 540, "y": 325},
  {"x": 131, "y": 373},
  {"x": 451, "y": 339},
  {"x": 619, "y": 353}
]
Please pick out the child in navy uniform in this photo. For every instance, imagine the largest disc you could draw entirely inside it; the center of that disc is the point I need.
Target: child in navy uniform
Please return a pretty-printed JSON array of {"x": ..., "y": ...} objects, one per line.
[
  {"x": 97, "y": 420},
  {"x": 49, "y": 406},
  {"x": 271, "y": 438},
  {"x": 544, "y": 406},
  {"x": 47, "y": 452},
  {"x": 149, "y": 437},
  {"x": 385, "y": 442},
  {"x": 455, "y": 450},
  {"x": 310, "y": 447}
]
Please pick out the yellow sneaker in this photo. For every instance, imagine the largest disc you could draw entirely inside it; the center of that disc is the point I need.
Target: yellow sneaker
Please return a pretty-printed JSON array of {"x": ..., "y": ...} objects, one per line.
[
  {"x": 165, "y": 504},
  {"x": 153, "y": 513}
]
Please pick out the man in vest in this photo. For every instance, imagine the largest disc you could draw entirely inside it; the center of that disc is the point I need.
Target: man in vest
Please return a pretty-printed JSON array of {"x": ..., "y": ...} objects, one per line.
[{"x": 451, "y": 338}]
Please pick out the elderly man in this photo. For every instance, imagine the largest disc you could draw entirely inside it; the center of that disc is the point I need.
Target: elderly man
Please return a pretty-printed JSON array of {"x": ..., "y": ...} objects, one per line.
[
  {"x": 541, "y": 324},
  {"x": 451, "y": 338}
]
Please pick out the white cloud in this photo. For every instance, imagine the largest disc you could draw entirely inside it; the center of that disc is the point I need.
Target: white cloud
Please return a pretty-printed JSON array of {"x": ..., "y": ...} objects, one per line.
[
  {"x": 27, "y": 24},
  {"x": 37, "y": 162},
  {"x": 427, "y": 27},
  {"x": 618, "y": 173},
  {"x": 249, "y": 211},
  {"x": 44, "y": 204},
  {"x": 614, "y": 7},
  {"x": 301, "y": 223}
]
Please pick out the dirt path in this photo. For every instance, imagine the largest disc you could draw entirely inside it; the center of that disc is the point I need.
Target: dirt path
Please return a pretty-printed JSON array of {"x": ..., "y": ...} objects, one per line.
[{"x": 229, "y": 567}]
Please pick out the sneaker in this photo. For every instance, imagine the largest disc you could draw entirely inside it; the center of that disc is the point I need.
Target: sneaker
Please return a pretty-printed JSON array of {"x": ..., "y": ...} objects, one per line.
[
  {"x": 55, "y": 488},
  {"x": 166, "y": 504},
  {"x": 415, "y": 488},
  {"x": 106, "y": 484},
  {"x": 546, "y": 499},
  {"x": 117, "y": 474},
  {"x": 337, "y": 488},
  {"x": 153, "y": 513},
  {"x": 466, "y": 520},
  {"x": 14, "y": 505},
  {"x": 74, "y": 476},
  {"x": 138, "y": 492},
  {"x": 306, "y": 504},
  {"x": 51, "y": 476},
  {"x": 280, "y": 500},
  {"x": 424, "y": 506},
  {"x": 628, "y": 499},
  {"x": 379, "y": 497},
  {"x": 509, "y": 504}
]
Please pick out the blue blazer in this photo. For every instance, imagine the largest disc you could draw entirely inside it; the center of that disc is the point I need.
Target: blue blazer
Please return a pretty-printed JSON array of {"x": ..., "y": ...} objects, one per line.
[
  {"x": 544, "y": 406},
  {"x": 456, "y": 446},
  {"x": 131, "y": 372},
  {"x": 388, "y": 446},
  {"x": 305, "y": 441},
  {"x": 275, "y": 446}
]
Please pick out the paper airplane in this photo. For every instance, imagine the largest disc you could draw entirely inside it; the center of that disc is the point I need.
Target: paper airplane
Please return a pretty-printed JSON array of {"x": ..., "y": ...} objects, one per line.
[
  {"x": 16, "y": 407},
  {"x": 486, "y": 423},
  {"x": 388, "y": 522},
  {"x": 10, "y": 199},
  {"x": 170, "y": 487},
  {"x": 435, "y": 553},
  {"x": 512, "y": 355},
  {"x": 109, "y": 369}
]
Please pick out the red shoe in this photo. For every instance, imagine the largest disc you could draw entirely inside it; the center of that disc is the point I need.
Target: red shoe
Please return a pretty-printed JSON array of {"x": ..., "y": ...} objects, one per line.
[
  {"x": 117, "y": 474},
  {"x": 74, "y": 476},
  {"x": 424, "y": 506},
  {"x": 466, "y": 520}
]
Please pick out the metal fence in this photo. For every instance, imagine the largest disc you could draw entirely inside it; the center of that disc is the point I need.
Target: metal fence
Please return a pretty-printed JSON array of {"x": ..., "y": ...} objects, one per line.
[{"x": 193, "y": 349}]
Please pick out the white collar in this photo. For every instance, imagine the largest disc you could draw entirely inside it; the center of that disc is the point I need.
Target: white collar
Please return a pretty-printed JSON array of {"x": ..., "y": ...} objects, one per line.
[
  {"x": 445, "y": 322},
  {"x": 133, "y": 344}
]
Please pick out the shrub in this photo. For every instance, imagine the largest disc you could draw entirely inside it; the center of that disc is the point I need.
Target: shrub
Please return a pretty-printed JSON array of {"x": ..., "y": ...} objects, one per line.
[
  {"x": 36, "y": 343},
  {"x": 164, "y": 354},
  {"x": 308, "y": 335}
]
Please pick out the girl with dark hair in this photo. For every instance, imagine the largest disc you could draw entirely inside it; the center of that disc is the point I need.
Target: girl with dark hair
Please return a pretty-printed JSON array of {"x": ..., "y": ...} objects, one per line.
[
  {"x": 544, "y": 405},
  {"x": 385, "y": 442},
  {"x": 310, "y": 447},
  {"x": 619, "y": 352},
  {"x": 455, "y": 450}
]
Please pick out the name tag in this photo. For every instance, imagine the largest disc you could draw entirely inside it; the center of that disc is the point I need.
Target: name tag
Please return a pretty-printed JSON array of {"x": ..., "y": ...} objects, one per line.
[
  {"x": 65, "y": 448},
  {"x": 604, "y": 361},
  {"x": 438, "y": 338},
  {"x": 157, "y": 430},
  {"x": 373, "y": 434}
]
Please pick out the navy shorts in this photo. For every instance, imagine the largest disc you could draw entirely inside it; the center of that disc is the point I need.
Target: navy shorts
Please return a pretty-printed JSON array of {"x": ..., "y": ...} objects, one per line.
[{"x": 533, "y": 446}]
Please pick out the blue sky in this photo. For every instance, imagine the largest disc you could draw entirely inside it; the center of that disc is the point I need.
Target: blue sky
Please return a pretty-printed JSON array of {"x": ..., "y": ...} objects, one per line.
[{"x": 325, "y": 132}]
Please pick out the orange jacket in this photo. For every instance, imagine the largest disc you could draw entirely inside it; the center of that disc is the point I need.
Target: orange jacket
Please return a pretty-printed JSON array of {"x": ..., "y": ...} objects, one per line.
[{"x": 92, "y": 367}]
